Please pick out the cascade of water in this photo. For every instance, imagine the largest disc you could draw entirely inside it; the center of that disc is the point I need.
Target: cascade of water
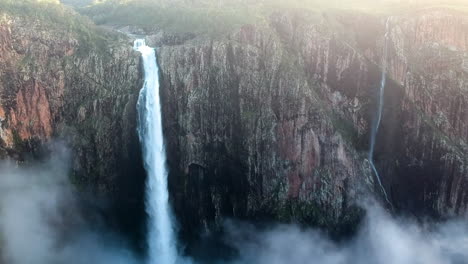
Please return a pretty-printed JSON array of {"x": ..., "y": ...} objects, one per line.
[
  {"x": 161, "y": 240},
  {"x": 376, "y": 124}
]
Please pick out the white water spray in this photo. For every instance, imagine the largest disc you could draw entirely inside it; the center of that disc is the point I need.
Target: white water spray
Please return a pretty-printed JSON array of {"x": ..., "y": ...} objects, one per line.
[
  {"x": 161, "y": 241},
  {"x": 375, "y": 126}
]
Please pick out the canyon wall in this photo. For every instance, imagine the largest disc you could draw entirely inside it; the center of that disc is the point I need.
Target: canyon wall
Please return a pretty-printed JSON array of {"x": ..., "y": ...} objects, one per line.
[
  {"x": 268, "y": 122},
  {"x": 79, "y": 85},
  {"x": 273, "y": 121}
]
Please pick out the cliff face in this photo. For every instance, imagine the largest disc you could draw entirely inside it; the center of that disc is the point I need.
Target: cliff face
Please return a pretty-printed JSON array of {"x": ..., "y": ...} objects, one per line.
[
  {"x": 269, "y": 122},
  {"x": 274, "y": 121},
  {"x": 423, "y": 140},
  {"x": 81, "y": 87},
  {"x": 426, "y": 153},
  {"x": 251, "y": 134}
]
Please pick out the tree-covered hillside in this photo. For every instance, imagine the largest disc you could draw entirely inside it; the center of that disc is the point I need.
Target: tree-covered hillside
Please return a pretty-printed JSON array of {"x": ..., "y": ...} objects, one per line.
[
  {"x": 77, "y": 3},
  {"x": 54, "y": 15},
  {"x": 221, "y": 16}
]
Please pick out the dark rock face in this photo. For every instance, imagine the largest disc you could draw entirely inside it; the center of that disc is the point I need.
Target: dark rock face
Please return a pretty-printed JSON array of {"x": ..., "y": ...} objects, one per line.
[
  {"x": 256, "y": 125},
  {"x": 273, "y": 121},
  {"x": 53, "y": 85},
  {"x": 425, "y": 153}
]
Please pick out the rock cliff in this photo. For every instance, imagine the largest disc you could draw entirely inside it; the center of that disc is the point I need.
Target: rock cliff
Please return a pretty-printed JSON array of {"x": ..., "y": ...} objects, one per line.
[
  {"x": 273, "y": 121},
  {"x": 269, "y": 122},
  {"x": 78, "y": 84}
]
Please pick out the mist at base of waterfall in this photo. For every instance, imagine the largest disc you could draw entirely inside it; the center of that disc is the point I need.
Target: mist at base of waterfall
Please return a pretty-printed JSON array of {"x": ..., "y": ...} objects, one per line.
[
  {"x": 40, "y": 224},
  {"x": 42, "y": 220},
  {"x": 381, "y": 239}
]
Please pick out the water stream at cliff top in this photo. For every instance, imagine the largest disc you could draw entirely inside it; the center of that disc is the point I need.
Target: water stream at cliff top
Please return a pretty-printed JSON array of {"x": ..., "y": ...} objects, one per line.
[
  {"x": 376, "y": 124},
  {"x": 161, "y": 239}
]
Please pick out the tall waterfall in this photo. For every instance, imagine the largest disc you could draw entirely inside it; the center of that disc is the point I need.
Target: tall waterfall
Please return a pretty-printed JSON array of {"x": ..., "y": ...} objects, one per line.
[
  {"x": 376, "y": 123},
  {"x": 161, "y": 240}
]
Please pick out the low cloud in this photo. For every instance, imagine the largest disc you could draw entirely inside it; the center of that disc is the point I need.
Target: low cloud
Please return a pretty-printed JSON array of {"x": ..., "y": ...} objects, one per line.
[
  {"x": 381, "y": 239},
  {"x": 41, "y": 222},
  {"x": 40, "y": 219}
]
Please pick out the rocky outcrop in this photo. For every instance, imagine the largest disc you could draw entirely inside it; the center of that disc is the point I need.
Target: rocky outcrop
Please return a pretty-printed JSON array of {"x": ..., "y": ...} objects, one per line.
[{"x": 79, "y": 85}]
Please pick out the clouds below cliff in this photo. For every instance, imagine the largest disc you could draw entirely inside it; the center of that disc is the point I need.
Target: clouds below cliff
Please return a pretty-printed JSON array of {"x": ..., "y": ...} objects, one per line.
[
  {"x": 381, "y": 239},
  {"x": 41, "y": 222}
]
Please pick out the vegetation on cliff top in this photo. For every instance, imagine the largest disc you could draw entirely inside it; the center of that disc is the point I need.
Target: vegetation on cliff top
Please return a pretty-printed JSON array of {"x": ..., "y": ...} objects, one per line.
[
  {"x": 53, "y": 15},
  {"x": 213, "y": 17},
  {"x": 216, "y": 17},
  {"x": 44, "y": 10},
  {"x": 177, "y": 17}
]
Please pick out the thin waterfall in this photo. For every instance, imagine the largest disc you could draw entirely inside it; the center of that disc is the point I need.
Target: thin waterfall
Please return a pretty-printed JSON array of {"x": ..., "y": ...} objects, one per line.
[
  {"x": 376, "y": 124},
  {"x": 161, "y": 239}
]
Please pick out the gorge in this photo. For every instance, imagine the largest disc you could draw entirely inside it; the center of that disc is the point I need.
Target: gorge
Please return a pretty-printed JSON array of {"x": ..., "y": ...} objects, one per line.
[{"x": 282, "y": 123}]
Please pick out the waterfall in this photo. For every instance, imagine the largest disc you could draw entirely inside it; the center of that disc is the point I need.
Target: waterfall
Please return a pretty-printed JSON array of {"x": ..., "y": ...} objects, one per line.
[
  {"x": 376, "y": 124},
  {"x": 161, "y": 239}
]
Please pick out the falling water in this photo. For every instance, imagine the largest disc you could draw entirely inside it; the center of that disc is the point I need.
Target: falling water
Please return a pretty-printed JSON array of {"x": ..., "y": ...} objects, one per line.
[
  {"x": 376, "y": 124},
  {"x": 161, "y": 242}
]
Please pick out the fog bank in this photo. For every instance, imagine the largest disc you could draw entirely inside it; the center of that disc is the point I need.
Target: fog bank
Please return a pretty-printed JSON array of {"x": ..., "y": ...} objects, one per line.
[
  {"x": 41, "y": 222},
  {"x": 40, "y": 219},
  {"x": 381, "y": 239}
]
